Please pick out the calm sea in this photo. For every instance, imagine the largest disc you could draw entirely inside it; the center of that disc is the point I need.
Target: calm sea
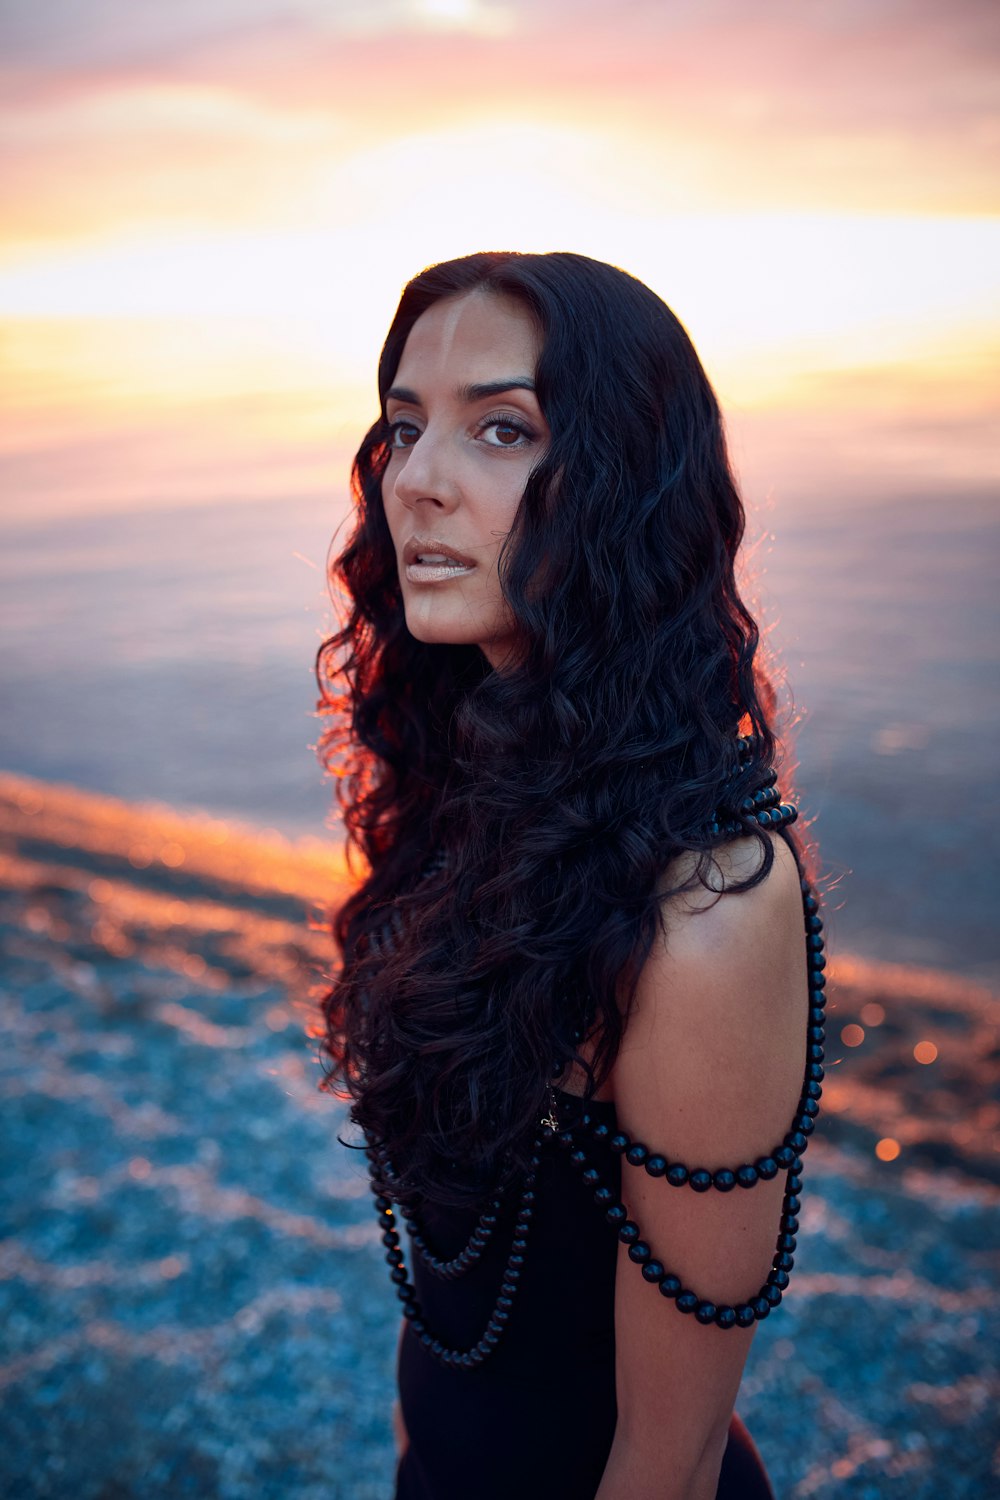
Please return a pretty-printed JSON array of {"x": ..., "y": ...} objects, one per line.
[{"x": 167, "y": 655}]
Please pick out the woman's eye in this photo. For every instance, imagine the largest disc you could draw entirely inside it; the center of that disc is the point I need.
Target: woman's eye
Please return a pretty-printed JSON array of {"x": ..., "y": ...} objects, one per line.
[
  {"x": 508, "y": 433},
  {"x": 403, "y": 434}
]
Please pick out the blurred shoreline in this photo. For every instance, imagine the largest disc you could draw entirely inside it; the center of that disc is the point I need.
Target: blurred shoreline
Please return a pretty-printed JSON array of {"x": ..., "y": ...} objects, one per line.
[{"x": 207, "y": 900}]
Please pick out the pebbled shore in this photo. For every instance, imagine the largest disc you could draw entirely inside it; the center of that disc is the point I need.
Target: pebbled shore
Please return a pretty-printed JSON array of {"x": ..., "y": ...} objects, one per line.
[{"x": 192, "y": 1296}]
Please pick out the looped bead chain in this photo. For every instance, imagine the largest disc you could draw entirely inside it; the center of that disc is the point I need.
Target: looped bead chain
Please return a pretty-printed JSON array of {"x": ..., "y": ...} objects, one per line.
[
  {"x": 460, "y": 1359},
  {"x": 787, "y": 1157},
  {"x": 466, "y": 1258}
]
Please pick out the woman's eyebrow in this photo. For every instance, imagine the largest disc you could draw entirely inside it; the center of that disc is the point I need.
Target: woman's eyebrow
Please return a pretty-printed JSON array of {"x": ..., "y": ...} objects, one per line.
[
  {"x": 471, "y": 393},
  {"x": 468, "y": 394}
]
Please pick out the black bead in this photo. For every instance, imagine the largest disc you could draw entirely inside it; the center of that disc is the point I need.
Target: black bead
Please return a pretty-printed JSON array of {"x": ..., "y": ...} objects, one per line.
[
  {"x": 815, "y": 1052},
  {"x": 817, "y": 1072},
  {"x": 656, "y": 1166},
  {"x": 394, "y": 1257},
  {"x": 636, "y": 1154},
  {"x": 744, "y": 1315},
  {"x": 784, "y": 1156},
  {"x": 811, "y": 905},
  {"x": 817, "y": 1015},
  {"x": 653, "y": 1270},
  {"x": 677, "y": 1174},
  {"x": 778, "y": 1278},
  {"x": 616, "y": 1215},
  {"x": 814, "y": 1090},
  {"x": 784, "y": 1261},
  {"x": 619, "y": 1142},
  {"x": 705, "y": 1312},
  {"x": 504, "y": 1304},
  {"x": 787, "y": 1242},
  {"x": 767, "y": 1168},
  {"x": 817, "y": 1034},
  {"x": 629, "y": 1232},
  {"x": 747, "y": 1176},
  {"x": 797, "y": 1140},
  {"x": 772, "y": 1293},
  {"x": 701, "y": 1180},
  {"x": 686, "y": 1301},
  {"x": 724, "y": 1180},
  {"x": 578, "y": 1159},
  {"x": 792, "y": 1205},
  {"x": 639, "y": 1252},
  {"x": 591, "y": 1177},
  {"x": 794, "y": 1184},
  {"x": 670, "y": 1286},
  {"x": 519, "y": 1244},
  {"x": 405, "y": 1294},
  {"x": 814, "y": 924},
  {"x": 601, "y": 1131},
  {"x": 603, "y": 1196},
  {"x": 761, "y": 1308},
  {"x": 398, "y": 1275},
  {"x": 725, "y": 1317},
  {"x": 789, "y": 1224}
]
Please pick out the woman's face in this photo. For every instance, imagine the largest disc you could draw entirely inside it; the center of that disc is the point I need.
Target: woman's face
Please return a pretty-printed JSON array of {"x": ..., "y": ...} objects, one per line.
[{"x": 465, "y": 431}]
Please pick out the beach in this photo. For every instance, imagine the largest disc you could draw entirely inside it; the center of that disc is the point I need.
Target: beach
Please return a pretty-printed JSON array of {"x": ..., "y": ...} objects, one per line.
[{"x": 195, "y": 1300}]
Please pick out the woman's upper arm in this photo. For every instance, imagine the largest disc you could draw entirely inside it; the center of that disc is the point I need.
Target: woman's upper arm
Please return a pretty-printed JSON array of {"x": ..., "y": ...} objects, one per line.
[{"x": 709, "y": 1074}]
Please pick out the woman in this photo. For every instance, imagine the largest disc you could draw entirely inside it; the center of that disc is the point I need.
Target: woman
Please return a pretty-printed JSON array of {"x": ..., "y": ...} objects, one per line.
[{"x": 573, "y": 1007}]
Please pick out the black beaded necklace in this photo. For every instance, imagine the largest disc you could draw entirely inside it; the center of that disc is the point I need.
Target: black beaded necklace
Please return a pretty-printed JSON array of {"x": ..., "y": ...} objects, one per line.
[{"x": 765, "y": 808}]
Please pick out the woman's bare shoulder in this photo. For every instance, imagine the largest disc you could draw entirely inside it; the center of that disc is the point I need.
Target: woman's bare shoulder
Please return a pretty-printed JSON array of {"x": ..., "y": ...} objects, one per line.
[{"x": 720, "y": 1008}]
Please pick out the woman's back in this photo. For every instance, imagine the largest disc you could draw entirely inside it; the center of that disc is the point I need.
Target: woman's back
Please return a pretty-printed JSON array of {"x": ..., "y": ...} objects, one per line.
[{"x": 549, "y": 1380}]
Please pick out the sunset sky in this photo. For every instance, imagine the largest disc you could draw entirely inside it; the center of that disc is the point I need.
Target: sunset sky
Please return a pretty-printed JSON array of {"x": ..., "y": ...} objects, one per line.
[{"x": 210, "y": 207}]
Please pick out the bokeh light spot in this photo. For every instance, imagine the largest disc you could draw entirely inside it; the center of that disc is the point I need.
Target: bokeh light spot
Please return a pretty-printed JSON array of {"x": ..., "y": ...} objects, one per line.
[
  {"x": 925, "y": 1052},
  {"x": 852, "y": 1035},
  {"x": 887, "y": 1149}
]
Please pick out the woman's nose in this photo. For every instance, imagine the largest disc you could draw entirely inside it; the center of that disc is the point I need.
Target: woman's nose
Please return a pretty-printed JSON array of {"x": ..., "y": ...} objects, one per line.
[{"x": 426, "y": 475}]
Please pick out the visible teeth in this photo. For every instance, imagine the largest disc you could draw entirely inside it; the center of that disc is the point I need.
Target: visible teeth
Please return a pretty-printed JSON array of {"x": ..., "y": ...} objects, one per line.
[{"x": 437, "y": 557}]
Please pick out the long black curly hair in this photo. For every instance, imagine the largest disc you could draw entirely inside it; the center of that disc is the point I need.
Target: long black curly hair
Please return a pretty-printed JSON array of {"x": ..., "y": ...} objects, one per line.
[{"x": 516, "y": 826}]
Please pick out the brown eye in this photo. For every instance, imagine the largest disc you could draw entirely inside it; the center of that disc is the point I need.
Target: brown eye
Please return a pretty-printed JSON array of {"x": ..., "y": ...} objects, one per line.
[
  {"x": 403, "y": 434},
  {"x": 507, "y": 433}
]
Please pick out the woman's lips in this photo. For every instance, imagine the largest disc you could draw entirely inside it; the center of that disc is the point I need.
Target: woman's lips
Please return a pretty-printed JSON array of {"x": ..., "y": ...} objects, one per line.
[{"x": 434, "y": 562}]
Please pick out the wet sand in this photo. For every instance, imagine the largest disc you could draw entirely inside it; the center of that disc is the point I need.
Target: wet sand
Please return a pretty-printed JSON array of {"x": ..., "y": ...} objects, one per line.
[{"x": 194, "y": 1299}]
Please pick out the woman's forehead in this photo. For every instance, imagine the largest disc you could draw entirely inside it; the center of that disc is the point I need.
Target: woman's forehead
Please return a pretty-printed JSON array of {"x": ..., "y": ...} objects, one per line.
[{"x": 468, "y": 339}]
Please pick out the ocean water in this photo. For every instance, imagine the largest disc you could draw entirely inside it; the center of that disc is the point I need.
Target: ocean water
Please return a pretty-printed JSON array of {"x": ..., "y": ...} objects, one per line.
[{"x": 166, "y": 655}]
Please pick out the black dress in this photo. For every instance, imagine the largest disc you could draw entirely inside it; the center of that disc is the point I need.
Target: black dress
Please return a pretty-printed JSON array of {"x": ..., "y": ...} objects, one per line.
[{"x": 536, "y": 1420}]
